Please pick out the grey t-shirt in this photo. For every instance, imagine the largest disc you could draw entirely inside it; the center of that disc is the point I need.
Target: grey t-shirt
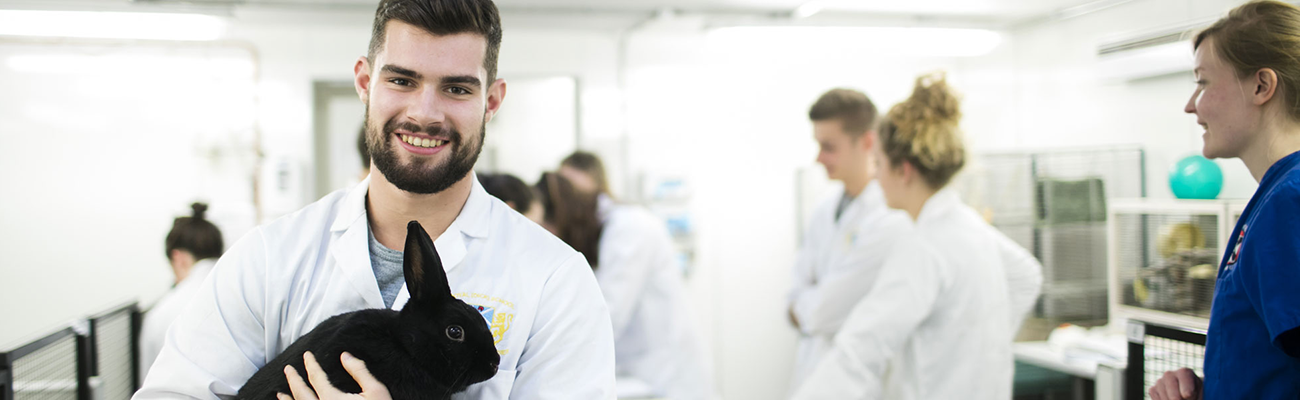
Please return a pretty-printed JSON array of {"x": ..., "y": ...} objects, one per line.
[
  {"x": 845, "y": 200},
  {"x": 387, "y": 264}
]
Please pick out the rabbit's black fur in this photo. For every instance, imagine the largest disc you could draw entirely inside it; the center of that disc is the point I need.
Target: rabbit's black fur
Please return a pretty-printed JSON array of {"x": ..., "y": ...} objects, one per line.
[{"x": 412, "y": 351}]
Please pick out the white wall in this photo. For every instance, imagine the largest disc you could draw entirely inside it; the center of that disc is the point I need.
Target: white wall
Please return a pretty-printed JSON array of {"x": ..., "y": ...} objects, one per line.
[
  {"x": 731, "y": 117},
  {"x": 105, "y": 144},
  {"x": 732, "y": 122},
  {"x": 1058, "y": 100}
]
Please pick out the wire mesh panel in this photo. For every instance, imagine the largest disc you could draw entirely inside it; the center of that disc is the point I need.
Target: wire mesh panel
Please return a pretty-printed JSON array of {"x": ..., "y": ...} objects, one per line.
[
  {"x": 1054, "y": 204},
  {"x": 1155, "y": 349},
  {"x": 113, "y": 335},
  {"x": 6, "y": 384},
  {"x": 46, "y": 369},
  {"x": 1167, "y": 260}
]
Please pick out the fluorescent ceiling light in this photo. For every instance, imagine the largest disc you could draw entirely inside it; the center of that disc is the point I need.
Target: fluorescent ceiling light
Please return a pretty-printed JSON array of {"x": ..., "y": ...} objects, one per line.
[
  {"x": 132, "y": 65},
  {"x": 925, "y": 42},
  {"x": 111, "y": 25},
  {"x": 808, "y": 9}
]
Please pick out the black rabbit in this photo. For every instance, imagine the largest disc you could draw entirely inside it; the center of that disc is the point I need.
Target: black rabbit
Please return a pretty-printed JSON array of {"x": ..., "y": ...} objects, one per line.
[{"x": 436, "y": 346}]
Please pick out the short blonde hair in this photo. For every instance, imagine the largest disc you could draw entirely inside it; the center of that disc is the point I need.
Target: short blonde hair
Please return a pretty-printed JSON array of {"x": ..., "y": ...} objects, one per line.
[{"x": 923, "y": 131}]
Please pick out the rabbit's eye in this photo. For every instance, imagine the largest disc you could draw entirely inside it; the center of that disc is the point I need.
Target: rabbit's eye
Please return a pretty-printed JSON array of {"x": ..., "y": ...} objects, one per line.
[{"x": 454, "y": 332}]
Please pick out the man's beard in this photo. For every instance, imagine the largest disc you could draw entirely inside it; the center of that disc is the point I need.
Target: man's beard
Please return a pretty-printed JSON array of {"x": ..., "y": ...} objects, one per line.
[{"x": 420, "y": 175}]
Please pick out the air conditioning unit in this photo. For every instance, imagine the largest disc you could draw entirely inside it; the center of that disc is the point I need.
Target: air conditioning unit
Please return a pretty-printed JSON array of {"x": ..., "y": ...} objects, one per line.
[{"x": 1150, "y": 54}]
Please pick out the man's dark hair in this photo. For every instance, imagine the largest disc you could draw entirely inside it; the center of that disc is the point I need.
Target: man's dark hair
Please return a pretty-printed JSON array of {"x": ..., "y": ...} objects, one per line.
[
  {"x": 195, "y": 235},
  {"x": 851, "y": 107},
  {"x": 442, "y": 17}
]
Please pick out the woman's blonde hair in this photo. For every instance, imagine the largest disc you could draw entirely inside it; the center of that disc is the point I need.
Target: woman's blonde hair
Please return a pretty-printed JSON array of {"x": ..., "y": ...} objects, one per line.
[
  {"x": 1257, "y": 35},
  {"x": 923, "y": 131}
]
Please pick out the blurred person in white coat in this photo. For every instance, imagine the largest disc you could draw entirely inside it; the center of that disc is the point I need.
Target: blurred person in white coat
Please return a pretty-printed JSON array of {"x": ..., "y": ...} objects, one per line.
[
  {"x": 430, "y": 87},
  {"x": 940, "y": 319},
  {"x": 848, "y": 235},
  {"x": 193, "y": 246},
  {"x": 655, "y": 339}
]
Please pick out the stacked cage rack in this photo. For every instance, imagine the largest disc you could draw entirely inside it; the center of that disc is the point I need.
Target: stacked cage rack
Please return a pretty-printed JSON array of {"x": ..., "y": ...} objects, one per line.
[
  {"x": 114, "y": 357},
  {"x": 1054, "y": 204},
  {"x": 54, "y": 367}
]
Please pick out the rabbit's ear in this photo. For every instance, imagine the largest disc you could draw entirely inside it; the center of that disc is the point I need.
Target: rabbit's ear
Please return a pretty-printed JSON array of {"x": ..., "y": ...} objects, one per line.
[{"x": 425, "y": 278}]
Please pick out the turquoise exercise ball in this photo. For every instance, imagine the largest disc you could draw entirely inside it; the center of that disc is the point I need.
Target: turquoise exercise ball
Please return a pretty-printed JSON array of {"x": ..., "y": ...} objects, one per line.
[{"x": 1196, "y": 177}]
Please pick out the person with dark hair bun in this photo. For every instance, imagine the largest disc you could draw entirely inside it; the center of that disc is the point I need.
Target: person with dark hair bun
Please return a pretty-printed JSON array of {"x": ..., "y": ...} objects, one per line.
[{"x": 192, "y": 247}]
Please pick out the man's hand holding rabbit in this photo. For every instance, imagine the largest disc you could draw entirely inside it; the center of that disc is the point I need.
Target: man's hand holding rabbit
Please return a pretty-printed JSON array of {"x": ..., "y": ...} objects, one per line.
[{"x": 371, "y": 388}]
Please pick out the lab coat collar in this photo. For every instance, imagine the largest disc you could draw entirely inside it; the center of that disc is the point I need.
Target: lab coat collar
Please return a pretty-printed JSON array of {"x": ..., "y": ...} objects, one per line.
[
  {"x": 353, "y": 206},
  {"x": 353, "y": 252},
  {"x": 472, "y": 220},
  {"x": 938, "y": 205},
  {"x": 869, "y": 200}
]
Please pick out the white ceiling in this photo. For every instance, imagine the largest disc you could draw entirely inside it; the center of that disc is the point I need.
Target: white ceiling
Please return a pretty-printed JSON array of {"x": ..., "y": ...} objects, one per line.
[{"x": 990, "y": 12}]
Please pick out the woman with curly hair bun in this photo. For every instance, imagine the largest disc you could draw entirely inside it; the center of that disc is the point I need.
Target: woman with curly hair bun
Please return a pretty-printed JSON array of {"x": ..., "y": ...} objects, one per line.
[{"x": 939, "y": 321}]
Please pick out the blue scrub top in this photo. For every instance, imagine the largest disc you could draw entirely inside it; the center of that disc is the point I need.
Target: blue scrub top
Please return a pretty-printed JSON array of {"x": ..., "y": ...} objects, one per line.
[{"x": 1257, "y": 295}]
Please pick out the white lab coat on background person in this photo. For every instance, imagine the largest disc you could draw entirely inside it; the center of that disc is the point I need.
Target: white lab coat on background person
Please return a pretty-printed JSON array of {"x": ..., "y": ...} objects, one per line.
[
  {"x": 938, "y": 323},
  {"x": 836, "y": 265},
  {"x": 655, "y": 338},
  {"x": 278, "y": 282},
  {"x": 162, "y": 313}
]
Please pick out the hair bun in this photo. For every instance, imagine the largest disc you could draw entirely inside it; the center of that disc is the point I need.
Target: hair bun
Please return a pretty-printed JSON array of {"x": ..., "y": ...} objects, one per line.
[
  {"x": 932, "y": 100},
  {"x": 199, "y": 209}
]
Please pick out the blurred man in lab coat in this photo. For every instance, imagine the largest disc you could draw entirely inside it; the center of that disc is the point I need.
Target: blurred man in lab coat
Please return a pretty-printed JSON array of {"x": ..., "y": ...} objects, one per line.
[
  {"x": 940, "y": 318},
  {"x": 430, "y": 87},
  {"x": 849, "y": 234}
]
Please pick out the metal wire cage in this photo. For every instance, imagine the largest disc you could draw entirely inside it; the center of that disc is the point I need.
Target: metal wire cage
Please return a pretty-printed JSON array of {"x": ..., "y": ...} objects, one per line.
[
  {"x": 1154, "y": 349},
  {"x": 115, "y": 356},
  {"x": 1165, "y": 257},
  {"x": 1054, "y": 204},
  {"x": 51, "y": 368}
]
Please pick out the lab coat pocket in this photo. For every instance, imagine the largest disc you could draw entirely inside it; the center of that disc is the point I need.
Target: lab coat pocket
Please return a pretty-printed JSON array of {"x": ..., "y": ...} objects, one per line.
[{"x": 497, "y": 388}]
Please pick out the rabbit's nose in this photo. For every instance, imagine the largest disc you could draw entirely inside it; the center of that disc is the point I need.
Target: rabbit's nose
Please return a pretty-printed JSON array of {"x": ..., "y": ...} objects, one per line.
[{"x": 494, "y": 366}]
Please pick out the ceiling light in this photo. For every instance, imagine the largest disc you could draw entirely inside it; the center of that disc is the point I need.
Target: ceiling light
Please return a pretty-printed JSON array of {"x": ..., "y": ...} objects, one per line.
[
  {"x": 925, "y": 42},
  {"x": 808, "y": 9},
  {"x": 111, "y": 25}
]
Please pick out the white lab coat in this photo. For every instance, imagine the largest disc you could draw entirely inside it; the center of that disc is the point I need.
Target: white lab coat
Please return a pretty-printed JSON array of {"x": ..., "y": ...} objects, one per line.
[
  {"x": 940, "y": 319},
  {"x": 282, "y": 279},
  {"x": 836, "y": 265},
  {"x": 161, "y": 315},
  {"x": 655, "y": 338}
]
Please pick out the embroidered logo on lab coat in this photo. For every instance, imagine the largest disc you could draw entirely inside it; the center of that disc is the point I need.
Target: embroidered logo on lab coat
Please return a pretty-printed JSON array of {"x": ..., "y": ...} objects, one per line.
[
  {"x": 1236, "y": 251},
  {"x": 498, "y": 313}
]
